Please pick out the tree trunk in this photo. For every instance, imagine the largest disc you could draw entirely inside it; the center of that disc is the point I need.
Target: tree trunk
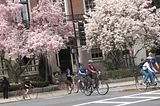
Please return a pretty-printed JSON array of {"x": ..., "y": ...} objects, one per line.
[{"x": 14, "y": 69}]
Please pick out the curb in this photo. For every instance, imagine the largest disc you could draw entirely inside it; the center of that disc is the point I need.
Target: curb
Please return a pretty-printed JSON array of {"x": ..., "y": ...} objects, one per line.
[{"x": 135, "y": 89}]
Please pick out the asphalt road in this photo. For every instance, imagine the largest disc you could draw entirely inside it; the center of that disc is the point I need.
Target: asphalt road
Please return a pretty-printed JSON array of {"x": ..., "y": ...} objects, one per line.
[{"x": 113, "y": 98}]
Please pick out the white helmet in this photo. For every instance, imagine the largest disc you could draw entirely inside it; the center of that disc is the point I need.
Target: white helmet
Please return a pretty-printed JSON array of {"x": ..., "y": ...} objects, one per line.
[
  {"x": 26, "y": 78},
  {"x": 90, "y": 61}
]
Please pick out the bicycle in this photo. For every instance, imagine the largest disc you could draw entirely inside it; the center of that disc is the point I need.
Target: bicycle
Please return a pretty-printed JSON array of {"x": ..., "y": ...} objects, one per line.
[
  {"x": 139, "y": 82},
  {"x": 20, "y": 94},
  {"x": 101, "y": 86},
  {"x": 74, "y": 86},
  {"x": 81, "y": 87}
]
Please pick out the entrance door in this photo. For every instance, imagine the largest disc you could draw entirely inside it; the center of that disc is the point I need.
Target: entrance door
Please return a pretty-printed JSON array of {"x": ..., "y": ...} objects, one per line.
[{"x": 65, "y": 60}]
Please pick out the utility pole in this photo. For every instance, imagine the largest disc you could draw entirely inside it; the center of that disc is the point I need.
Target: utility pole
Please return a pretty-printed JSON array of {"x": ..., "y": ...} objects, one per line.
[{"x": 74, "y": 28}]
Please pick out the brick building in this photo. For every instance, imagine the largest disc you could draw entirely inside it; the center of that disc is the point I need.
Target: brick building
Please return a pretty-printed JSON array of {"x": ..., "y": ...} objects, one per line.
[{"x": 67, "y": 58}]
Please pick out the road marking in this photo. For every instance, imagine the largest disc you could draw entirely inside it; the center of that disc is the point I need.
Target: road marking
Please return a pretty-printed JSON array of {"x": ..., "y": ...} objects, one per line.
[
  {"x": 146, "y": 98},
  {"x": 113, "y": 102},
  {"x": 141, "y": 97},
  {"x": 136, "y": 102}
]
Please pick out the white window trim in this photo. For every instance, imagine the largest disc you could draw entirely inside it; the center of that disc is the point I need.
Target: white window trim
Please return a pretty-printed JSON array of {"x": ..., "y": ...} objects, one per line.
[
  {"x": 84, "y": 6},
  {"x": 99, "y": 58}
]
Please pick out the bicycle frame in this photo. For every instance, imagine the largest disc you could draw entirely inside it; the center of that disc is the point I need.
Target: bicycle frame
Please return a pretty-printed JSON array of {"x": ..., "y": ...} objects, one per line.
[{"x": 20, "y": 95}]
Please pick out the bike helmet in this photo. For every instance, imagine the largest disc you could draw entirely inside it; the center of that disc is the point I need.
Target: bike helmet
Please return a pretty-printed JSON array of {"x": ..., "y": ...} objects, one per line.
[
  {"x": 90, "y": 61},
  {"x": 67, "y": 70},
  {"x": 26, "y": 78}
]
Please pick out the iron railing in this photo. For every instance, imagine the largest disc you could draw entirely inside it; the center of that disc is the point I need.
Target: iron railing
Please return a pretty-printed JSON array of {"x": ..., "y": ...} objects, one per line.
[{"x": 30, "y": 70}]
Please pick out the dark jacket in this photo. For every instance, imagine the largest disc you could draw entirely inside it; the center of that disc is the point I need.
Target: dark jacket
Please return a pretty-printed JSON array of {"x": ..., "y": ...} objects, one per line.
[{"x": 5, "y": 84}]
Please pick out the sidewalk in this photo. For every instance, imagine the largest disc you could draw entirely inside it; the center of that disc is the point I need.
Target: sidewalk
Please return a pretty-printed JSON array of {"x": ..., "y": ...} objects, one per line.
[{"x": 52, "y": 91}]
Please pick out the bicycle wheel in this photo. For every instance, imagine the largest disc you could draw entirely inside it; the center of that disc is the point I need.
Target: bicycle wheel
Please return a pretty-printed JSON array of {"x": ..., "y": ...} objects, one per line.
[
  {"x": 102, "y": 88},
  {"x": 33, "y": 94},
  {"x": 157, "y": 86},
  {"x": 88, "y": 90},
  {"x": 140, "y": 86},
  {"x": 20, "y": 95},
  {"x": 75, "y": 87}
]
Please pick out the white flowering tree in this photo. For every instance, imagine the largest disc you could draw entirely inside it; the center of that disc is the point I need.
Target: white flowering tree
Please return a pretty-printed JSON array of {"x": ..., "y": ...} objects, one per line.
[
  {"x": 121, "y": 24},
  {"x": 47, "y": 33},
  {"x": 115, "y": 23}
]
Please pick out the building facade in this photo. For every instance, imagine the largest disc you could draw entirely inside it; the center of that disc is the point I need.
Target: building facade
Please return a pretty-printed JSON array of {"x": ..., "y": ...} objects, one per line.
[{"x": 70, "y": 57}]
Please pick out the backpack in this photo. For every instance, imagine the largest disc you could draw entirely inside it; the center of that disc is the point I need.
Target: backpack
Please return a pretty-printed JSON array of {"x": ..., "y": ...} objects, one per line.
[{"x": 141, "y": 65}]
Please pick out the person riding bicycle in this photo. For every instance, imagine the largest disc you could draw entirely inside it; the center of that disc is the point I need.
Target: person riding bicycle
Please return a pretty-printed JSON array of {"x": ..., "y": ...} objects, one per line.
[
  {"x": 69, "y": 75},
  {"x": 92, "y": 71},
  {"x": 154, "y": 62},
  {"x": 148, "y": 70},
  {"x": 82, "y": 73},
  {"x": 27, "y": 85}
]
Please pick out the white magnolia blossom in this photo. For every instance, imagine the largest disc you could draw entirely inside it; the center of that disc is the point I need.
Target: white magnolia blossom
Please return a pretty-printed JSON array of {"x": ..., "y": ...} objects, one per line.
[{"x": 115, "y": 21}]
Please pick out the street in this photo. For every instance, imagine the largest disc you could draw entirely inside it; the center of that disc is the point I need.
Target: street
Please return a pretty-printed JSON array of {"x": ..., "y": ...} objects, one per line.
[{"x": 113, "y": 98}]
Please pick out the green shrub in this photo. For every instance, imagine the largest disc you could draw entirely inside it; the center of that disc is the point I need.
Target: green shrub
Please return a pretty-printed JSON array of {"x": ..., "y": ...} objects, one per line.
[
  {"x": 14, "y": 87},
  {"x": 116, "y": 74},
  {"x": 40, "y": 84}
]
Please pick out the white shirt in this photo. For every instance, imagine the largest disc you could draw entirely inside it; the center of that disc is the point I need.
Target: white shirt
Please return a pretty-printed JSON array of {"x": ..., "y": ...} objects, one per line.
[{"x": 146, "y": 66}]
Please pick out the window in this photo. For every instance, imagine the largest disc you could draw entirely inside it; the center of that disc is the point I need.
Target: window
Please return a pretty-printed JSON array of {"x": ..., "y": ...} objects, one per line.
[
  {"x": 89, "y": 4},
  {"x": 25, "y": 12},
  {"x": 96, "y": 53},
  {"x": 63, "y": 4}
]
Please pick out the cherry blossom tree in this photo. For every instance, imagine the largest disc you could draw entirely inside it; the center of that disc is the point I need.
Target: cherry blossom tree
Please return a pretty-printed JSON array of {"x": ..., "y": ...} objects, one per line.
[
  {"x": 47, "y": 33},
  {"x": 120, "y": 24}
]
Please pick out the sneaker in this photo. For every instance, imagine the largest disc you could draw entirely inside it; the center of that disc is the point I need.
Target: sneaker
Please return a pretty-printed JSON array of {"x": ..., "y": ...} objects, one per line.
[
  {"x": 26, "y": 96},
  {"x": 144, "y": 84},
  {"x": 154, "y": 84}
]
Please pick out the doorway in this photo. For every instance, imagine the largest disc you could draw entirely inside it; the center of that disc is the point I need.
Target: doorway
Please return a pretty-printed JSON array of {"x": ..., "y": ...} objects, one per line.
[{"x": 65, "y": 60}]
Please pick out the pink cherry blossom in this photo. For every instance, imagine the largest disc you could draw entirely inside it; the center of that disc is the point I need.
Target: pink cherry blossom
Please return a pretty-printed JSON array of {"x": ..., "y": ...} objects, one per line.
[{"x": 47, "y": 32}]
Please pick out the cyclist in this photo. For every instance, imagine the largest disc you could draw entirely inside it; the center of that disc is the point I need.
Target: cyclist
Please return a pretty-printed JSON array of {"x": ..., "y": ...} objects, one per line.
[
  {"x": 92, "y": 72},
  {"x": 154, "y": 62},
  {"x": 69, "y": 75},
  {"x": 82, "y": 72},
  {"x": 27, "y": 85},
  {"x": 148, "y": 70}
]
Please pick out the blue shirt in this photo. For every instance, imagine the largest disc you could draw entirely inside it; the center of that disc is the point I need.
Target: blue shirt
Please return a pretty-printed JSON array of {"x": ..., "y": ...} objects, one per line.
[
  {"x": 153, "y": 61},
  {"x": 82, "y": 70}
]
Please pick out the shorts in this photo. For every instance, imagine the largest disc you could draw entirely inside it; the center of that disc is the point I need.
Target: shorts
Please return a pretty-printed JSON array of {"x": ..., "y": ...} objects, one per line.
[{"x": 69, "y": 82}]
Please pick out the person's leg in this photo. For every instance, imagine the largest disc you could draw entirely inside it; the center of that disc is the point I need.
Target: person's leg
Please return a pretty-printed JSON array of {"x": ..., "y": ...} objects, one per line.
[
  {"x": 151, "y": 77},
  {"x": 6, "y": 93},
  {"x": 4, "y": 96},
  {"x": 145, "y": 73},
  {"x": 69, "y": 84},
  {"x": 89, "y": 81},
  {"x": 82, "y": 81},
  {"x": 27, "y": 90},
  {"x": 72, "y": 84}
]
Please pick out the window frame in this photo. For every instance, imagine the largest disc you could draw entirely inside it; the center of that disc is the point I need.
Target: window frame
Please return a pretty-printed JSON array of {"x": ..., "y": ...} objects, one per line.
[
  {"x": 25, "y": 12},
  {"x": 94, "y": 51},
  {"x": 90, "y": 5}
]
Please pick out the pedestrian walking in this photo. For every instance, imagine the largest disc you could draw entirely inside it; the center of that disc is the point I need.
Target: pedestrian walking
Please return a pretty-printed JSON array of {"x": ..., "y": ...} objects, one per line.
[{"x": 5, "y": 85}]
